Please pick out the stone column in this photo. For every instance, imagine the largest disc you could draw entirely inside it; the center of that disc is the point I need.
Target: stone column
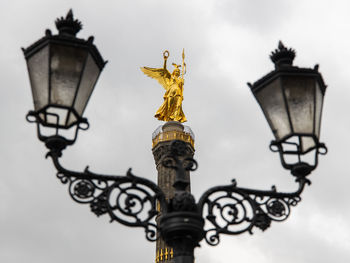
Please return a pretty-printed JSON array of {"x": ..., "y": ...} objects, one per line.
[{"x": 161, "y": 140}]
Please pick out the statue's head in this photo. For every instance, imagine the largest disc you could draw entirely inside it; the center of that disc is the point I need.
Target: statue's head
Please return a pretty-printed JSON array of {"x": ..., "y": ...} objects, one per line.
[{"x": 176, "y": 71}]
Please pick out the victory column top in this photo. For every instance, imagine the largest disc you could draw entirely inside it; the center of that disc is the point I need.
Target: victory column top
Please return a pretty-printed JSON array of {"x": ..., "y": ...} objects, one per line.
[{"x": 171, "y": 109}]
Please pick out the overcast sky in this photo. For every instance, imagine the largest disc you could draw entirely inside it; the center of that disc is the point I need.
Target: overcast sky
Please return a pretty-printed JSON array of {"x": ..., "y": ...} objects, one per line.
[{"x": 227, "y": 44}]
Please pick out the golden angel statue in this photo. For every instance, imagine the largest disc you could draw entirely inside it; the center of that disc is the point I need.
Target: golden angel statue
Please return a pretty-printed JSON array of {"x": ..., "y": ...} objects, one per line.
[{"x": 171, "y": 109}]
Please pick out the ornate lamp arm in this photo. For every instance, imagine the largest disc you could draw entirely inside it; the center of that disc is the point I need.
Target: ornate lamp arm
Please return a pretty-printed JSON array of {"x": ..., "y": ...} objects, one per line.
[
  {"x": 233, "y": 210},
  {"x": 129, "y": 200}
]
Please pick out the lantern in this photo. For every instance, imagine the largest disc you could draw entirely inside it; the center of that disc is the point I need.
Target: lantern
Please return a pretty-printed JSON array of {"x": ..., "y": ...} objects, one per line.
[
  {"x": 291, "y": 99},
  {"x": 63, "y": 71}
]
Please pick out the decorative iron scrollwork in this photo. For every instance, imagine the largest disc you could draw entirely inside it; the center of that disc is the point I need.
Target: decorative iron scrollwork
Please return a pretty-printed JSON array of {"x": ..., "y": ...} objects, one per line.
[
  {"x": 129, "y": 200},
  {"x": 233, "y": 210},
  {"x": 132, "y": 200}
]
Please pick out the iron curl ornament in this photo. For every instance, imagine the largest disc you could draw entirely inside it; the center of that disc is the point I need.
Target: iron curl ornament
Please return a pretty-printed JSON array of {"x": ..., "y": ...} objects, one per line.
[
  {"x": 234, "y": 210},
  {"x": 129, "y": 199}
]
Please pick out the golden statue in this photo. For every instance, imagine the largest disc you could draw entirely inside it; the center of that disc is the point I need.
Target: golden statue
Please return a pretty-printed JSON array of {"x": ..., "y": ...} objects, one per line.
[{"x": 171, "y": 109}]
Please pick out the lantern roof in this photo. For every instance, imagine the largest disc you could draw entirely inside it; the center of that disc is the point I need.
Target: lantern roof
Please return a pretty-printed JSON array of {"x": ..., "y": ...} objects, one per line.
[
  {"x": 68, "y": 27},
  {"x": 282, "y": 56},
  {"x": 283, "y": 59}
]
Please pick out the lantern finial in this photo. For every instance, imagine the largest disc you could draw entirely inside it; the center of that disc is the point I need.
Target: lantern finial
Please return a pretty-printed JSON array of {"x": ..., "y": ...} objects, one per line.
[
  {"x": 68, "y": 26},
  {"x": 282, "y": 56}
]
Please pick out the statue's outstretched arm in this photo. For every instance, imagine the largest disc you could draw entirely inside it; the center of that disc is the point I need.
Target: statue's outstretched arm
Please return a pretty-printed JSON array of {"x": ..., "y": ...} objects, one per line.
[
  {"x": 165, "y": 56},
  {"x": 160, "y": 74}
]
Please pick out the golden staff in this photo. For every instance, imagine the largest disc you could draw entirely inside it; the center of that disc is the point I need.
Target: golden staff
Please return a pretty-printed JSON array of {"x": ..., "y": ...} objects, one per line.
[{"x": 183, "y": 63}]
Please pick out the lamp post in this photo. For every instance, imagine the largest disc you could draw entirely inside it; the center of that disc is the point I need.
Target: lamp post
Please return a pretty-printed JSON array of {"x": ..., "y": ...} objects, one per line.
[{"x": 63, "y": 71}]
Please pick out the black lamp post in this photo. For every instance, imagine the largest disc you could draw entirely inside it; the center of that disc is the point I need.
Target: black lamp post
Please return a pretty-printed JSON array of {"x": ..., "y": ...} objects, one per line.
[{"x": 63, "y": 71}]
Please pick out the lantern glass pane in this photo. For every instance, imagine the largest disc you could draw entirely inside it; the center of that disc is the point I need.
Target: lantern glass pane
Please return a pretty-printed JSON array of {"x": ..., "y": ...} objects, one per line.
[
  {"x": 272, "y": 103},
  {"x": 307, "y": 143},
  {"x": 72, "y": 118},
  {"x": 300, "y": 92},
  {"x": 87, "y": 84},
  {"x": 66, "y": 68},
  {"x": 318, "y": 113},
  {"x": 38, "y": 68}
]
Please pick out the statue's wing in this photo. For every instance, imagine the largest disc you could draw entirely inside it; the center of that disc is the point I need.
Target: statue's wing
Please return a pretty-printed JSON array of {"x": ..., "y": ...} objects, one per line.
[{"x": 160, "y": 74}]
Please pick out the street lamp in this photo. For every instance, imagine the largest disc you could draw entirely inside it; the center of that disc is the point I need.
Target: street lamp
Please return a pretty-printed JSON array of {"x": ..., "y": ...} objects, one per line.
[
  {"x": 63, "y": 71},
  {"x": 292, "y": 99}
]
